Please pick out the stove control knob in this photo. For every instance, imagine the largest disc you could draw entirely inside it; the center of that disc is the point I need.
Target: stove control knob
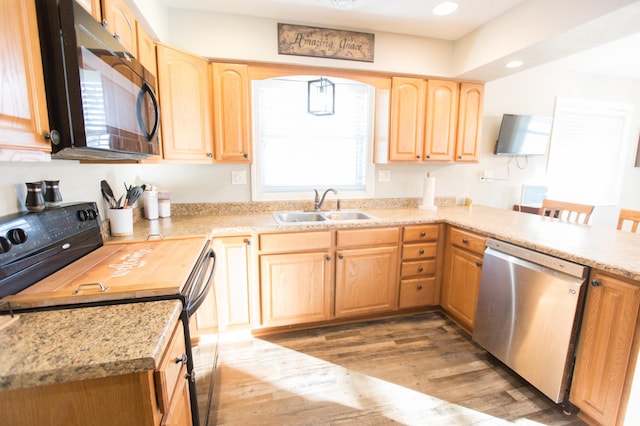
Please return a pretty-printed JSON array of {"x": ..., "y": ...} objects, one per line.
[
  {"x": 92, "y": 214},
  {"x": 83, "y": 215},
  {"x": 17, "y": 236},
  {"x": 5, "y": 245}
]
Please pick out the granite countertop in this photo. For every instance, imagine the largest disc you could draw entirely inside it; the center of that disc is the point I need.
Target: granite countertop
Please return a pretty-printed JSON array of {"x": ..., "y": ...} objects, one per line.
[
  {"x": 41, "y": 348},
  {"x": 600, "y": 247}
]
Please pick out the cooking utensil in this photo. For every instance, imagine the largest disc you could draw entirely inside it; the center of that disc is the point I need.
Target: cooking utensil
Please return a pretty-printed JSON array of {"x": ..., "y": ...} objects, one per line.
[
  {"x": 107, "y": 193},
  {"x": 133, "y": 194}
]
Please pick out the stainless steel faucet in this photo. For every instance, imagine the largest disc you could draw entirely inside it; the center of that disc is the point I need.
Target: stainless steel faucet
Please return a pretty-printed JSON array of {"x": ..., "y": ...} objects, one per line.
[{"x": 317, "y": 202}]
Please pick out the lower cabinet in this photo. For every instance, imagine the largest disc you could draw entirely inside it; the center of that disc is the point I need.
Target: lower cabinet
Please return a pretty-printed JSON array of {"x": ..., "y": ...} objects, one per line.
[
  {"x": 295, "y": 277},
  {"x": 461, "y": 276},
  {"x": 606, "y": 350},
  {"x": 418, "y": 284}
]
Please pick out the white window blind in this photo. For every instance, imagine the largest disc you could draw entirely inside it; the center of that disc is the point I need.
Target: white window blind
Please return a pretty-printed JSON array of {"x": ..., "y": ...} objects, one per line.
[
  {"x": 297, "y": 152},
  {"x": 586, "y": 153}
]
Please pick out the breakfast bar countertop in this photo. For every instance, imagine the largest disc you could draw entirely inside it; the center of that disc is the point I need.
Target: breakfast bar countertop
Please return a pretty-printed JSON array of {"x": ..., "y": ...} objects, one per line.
[{"x": 601, "y": 247}]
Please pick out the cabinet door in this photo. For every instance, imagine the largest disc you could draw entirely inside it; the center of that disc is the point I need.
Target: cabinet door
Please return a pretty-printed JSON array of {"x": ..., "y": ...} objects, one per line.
[
  {"x": 461, "y": 283},
  {"x": 146, "y": 50},
  {"x": 179, "y": 412},
  {"x": 231, "y": 113},
  {"x": 233, "y": 281},
  {"x": 23, "y": 105},
  {"x": 441, "y": 120},
  {"x": 121, "y": 22},
  {"x": 406, "y": 127},
  {"x": 606, "y": 338},
  {"x": 185, "y": 105},
  {"x": 366, "y": 281},
  {"x": 469, "y": 121},
  {"x": 93, "y": 7},
  {"x": 295, "y": 288}
]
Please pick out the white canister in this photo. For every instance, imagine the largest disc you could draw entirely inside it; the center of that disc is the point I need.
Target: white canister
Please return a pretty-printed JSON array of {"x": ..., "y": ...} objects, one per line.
[
  {"x": 164, "y": 204},
  {"x": 150, "y": 199}
]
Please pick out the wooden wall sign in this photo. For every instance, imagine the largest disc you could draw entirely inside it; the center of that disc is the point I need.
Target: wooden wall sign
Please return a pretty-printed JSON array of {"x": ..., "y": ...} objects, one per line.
[{"x": 299, "y": 40}]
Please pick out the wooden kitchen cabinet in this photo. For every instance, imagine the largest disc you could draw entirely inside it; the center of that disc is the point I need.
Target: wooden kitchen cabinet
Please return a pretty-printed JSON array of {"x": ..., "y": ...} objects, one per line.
[
  {"x": 146, "y": 53},
  {"x": 93, "y": 7},
  {"x": 23, "y": 111},
  {"x": 469, "y": 122},
  {"x": 121, "y": 22},
  {"x": 461, "y": 276},
  {"x": 233, "y": 282},
  {"x": 231, "y": 113},
  {"x": 406, "y": 125},
  {"x": 418, "y": 284},
  {"x": 295, "y": 277},
  {"x": 441, "y": 120},
  {"x": 366, "y": 271},
  {"x": 607, "y": 348},
  {"x": 184, "y": 87}
]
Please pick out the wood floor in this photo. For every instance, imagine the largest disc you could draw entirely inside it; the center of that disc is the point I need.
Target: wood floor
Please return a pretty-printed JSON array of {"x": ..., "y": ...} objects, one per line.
[{"x": 415, "y": 370}]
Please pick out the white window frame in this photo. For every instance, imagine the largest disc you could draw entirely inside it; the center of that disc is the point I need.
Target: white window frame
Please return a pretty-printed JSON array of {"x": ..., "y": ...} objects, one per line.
[{"x": 257, "y": 193}]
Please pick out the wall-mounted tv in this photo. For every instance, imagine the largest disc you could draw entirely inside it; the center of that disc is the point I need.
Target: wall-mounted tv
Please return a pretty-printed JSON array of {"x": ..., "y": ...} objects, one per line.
[{"x": 523, "y": 135}]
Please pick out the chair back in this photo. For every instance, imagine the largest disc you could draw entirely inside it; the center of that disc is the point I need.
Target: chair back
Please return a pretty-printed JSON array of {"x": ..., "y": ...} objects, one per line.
[
  {"x": 632, "y": 216},
  {"x": 568, "y": 212}
]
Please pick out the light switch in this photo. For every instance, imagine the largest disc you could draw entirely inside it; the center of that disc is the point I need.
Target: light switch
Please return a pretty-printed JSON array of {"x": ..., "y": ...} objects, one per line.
[{"x": 239, "y": 177}]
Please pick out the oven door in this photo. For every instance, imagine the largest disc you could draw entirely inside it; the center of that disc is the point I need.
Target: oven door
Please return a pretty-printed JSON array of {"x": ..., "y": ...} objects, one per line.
[{"x": 201, "y": 371}]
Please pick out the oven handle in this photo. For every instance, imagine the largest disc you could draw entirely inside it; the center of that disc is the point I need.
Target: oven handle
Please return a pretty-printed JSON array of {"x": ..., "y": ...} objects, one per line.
[{"x": 193, "y": 303}]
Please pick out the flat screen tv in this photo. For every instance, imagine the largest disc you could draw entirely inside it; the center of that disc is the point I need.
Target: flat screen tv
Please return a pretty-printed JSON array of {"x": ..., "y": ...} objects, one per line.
[{"x": 523, "y": 135}]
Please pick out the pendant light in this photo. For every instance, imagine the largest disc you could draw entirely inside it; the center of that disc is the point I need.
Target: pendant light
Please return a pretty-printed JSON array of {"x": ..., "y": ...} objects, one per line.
[{"x": 321, "y": 97}]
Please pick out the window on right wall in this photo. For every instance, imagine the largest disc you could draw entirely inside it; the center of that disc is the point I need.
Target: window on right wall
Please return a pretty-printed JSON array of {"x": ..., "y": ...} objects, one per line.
[{"x": 586, "y": 155}]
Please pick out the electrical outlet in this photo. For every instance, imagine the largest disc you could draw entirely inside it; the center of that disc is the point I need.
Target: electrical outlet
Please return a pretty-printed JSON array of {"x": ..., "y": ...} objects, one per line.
[
  {"x": 239, "y": 178},
  {"x": 384, "y": 175},
  {"x": 486, "y": 176}
]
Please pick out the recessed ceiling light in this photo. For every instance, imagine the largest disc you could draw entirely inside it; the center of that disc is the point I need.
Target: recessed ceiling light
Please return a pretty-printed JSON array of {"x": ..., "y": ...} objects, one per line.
[
  {"x": 514, "y": 64},
  {"x": 445, "y": 8},
  {"x": 342, "y": 4}
]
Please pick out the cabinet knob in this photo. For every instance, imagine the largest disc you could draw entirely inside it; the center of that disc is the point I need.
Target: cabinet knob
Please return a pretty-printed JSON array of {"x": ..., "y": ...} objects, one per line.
[
  {"x": 421, "y": 252},
  {"x": 340, "y": 257},
  {"x": 478, "y": 264},
  {"x": 423, "y": 234},
  {"x": 418, "y": 157},
  {"x": 245, "y": 155},
  {"x": 328, "y": 258},
  {"x": 247, "y": 241},
  {"x": 210, "y": 154},
  {"x": 595, "y": 283},
  {"x": 420, "y": 269},
  {"x": 182, "y": 360},
  {"x": 419, "y": 287},
  {"x": 465, "y": 241},
  {"x": 459, "y": 157},
  {"x": 428, "y": 156}
]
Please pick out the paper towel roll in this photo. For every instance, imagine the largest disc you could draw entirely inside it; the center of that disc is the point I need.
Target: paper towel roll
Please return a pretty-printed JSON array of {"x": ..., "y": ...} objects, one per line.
[{"x": 429, "y": 194}]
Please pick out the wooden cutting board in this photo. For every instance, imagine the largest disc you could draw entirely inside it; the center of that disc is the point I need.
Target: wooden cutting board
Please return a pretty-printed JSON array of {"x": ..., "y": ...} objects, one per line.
[{"x": 126, "y": 270}]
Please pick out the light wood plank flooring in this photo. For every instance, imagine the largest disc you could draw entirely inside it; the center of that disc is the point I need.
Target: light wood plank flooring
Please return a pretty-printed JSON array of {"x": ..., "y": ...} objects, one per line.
[{"x": 414, "y": 370}]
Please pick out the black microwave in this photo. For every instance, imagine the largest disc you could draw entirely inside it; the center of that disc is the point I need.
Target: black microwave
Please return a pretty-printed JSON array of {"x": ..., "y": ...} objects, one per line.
[{"x": 101, "y": 100}]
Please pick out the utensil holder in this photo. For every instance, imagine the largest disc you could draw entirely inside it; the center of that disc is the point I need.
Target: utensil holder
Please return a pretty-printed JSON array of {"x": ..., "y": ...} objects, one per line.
[{"x": 121, "y": 222}]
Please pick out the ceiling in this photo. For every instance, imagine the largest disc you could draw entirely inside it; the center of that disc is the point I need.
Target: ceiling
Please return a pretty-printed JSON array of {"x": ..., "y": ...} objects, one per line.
[{"x": 414, "y": 17}]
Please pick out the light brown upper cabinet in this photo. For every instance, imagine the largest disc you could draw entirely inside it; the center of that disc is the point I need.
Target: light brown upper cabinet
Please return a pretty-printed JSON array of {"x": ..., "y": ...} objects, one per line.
[
  {"x": 434, "y": 120},
  {"x": 184, "y": 88},
  {"x": 469, "y": 121},
  {"x": 120, "y": 22},
  {"x": 406, "y": 126},
  {"x": 231, "y": 113},
  {"x": 146, "y": 50},
  {"x": 441, "y": 120},
  {"x": 23, "y": 110},
  {"x": 93, "y": 7}
]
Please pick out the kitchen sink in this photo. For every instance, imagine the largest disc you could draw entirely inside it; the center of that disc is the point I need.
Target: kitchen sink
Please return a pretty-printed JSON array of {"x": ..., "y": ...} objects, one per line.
[{"x": 325, "y": 216}]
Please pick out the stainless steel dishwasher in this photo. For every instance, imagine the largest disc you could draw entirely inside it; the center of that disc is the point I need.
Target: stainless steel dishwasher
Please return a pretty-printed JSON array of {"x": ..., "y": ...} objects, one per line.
[{"x": 528, "y": 313}]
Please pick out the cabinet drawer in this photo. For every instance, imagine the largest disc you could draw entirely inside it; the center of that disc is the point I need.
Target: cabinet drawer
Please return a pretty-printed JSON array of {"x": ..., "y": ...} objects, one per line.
[
  {"x": 367, "y": 237},
  {"x": 420, "y": 233},
  {"x": 419, "y": 251},
  {"x": 295, "y": 241},
  {"x": 417, "y": 292},
  {"x": 466, "y": 240},
  {"x": 168, "y": 375},
  {"x": 418, "y": 267}
]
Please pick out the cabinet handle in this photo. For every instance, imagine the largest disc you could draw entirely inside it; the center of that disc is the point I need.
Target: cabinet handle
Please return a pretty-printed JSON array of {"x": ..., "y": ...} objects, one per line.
[
  {"x": 245, "y": 155},
  {"x": 182, "y": 360},
  {"x": 328, "y": 258},
  {"x": 421, "y": 252},
  {"x": 423, "y": 234},
  {"x": 340, "y": 257},
  {"x": 191, "y": 376},
  {"x": 478, "y": 264},
  {"x": 595, "y": 283},
  {"x": 465, "y": 241},
  {"x": 210, "y": 154},
  {"x": 420, "y": 269},
  {"x": 428, "y": 156},
  {"x": 459, "y": 157},
  {"x": 419, "y": 287}
]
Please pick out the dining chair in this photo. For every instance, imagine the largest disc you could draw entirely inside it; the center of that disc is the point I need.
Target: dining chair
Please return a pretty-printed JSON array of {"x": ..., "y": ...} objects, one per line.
[
  {"x": 568, "y": 212},
  {"x": 632, "y": 216}
]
